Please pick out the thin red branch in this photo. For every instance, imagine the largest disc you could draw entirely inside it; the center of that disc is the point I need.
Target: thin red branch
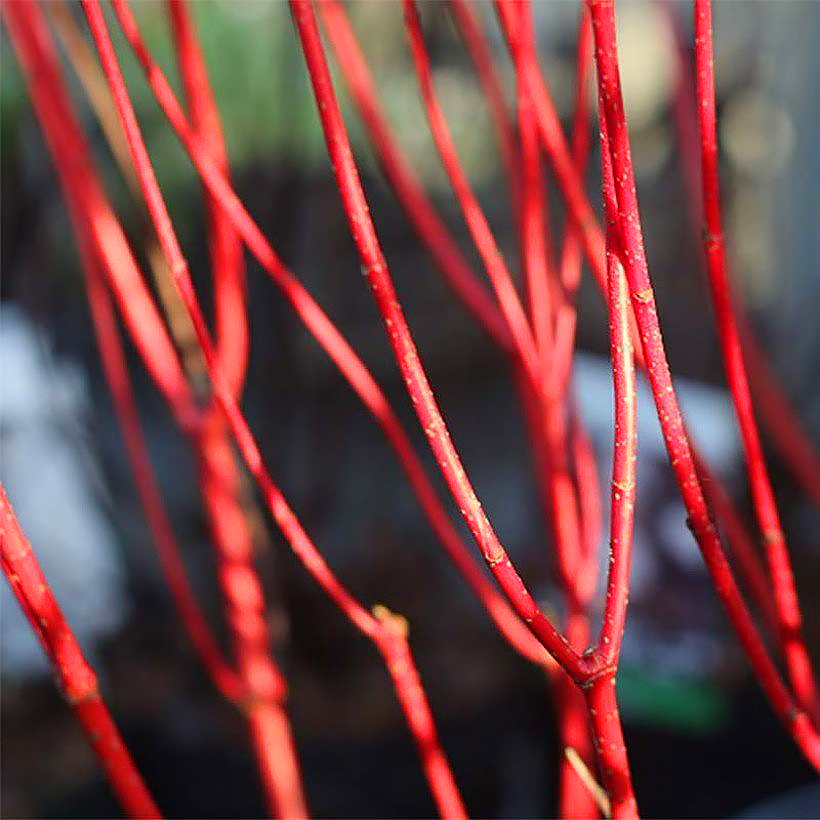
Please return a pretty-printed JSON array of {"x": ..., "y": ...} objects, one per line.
[
  {"x": 491, "y": 257},
  {"x": 538, "y": 271},
  {"x": 38, "y": 61},
  {"x": 116, "y": 375},
  {"x": 464, "y": 16},
  {"x": 400, "y": 176},
  {"x": 622, "y": 504},
  {"x": 338, "y": 350},
  {"x": 227, "y": 262},
  {"x": 378, "y": 279},
  {"x": 790, "y": 440},
  {"x": 609, "y": 744},
  {"x": 75, "y": 678},
  {"x": 442, "y": 786},
  {"x": 571, "y": 254},
  {"x": 796, "y": 721},
  {"x": 101, "y": 229},
  {"x": 796, "y": 656}
]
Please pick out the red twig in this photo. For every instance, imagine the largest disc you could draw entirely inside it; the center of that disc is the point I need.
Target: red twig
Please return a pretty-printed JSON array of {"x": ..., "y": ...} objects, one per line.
[
  {"x": 338, "y": 350},
  {"x": 797, "y": 659},
  {"x": 86, "y": 200},
  {"x": 739, "y": 542},
  {"x": 538, "y": 270},
  {"x": 219, "y": 478},
  {"x": 609, "y": 745},
  {"x": 383, "y": 637},
  {"x": 677, "y": 445},
  {"x": 400, "y": 176},
  {"x": 37, "y": 61},
  {"x": 622, "y": 506},
  {"x": 114, "y": 367},
  {"x": 600, "y": 693},
  {"x": 245, "y": 612},
  {"x": 377, "y": 276},
  {"x": 571, "y": 256},
  {"x": 493, "y": 261},
  {"x": 782, "y": 424},
  {"x": 76, "y": 680},
  {"x": 226, "y": 248},
  {"x": 464, "y": 15},
  {"x": 743, "y": 552},
  {"x": 557, "y": 152},
  {"x": 791, "y": 441}
]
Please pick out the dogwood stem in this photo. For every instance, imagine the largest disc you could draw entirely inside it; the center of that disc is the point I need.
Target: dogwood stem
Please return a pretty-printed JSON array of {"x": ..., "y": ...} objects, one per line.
[{"x": 75, "y": 678}]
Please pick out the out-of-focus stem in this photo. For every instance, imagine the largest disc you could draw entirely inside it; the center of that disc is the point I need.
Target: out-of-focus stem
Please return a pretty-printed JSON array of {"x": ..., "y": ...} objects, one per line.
[
  {"x": 76, "y": 680},
  {"x": 340, "y": 352},
  {"x": 796, "y": 656}
]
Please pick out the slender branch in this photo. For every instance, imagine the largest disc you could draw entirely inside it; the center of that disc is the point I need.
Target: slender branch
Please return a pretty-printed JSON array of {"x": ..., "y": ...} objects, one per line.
[
  {"x": 87, "y": 69},
  {"x": 609, "y": 744},
  {"x": 538, "y": 270},
  {"x": 114, "y": 368},
  {"x": 227, "y": 262},
  {"x": 75, "y": 678},
  {"x": 98, "y": 224},
  {"x": 340, "y": 353},
  {"x": 378, "y": 279},
  {"x": 464, "y": 16},
  {"x": 571, "y": 255},
  {"x": 675, "y": 439},
  {"x": 113, "y": 359},
  {"x": 282, "y": 514},
  {"x": 400, "y": 176},
  {"x": 622, "y": 505},
  {"x": 790, "y": 440},
  {"x": 493, "y": 261},
  {"x": 797, "y": 659}
]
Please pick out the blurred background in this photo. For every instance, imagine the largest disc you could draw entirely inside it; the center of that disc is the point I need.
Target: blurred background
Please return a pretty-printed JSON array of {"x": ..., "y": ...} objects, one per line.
[{"x": 702, "y": 742}]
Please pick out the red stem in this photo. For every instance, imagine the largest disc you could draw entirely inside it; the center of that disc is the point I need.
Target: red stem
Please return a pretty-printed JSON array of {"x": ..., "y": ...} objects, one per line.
[
  {"x": 491, "y": 258},
  {"x": 226, "y": 247},
  {"x": 609, "y": 744},
  {"x": 86, "y": 201},
  {"x": 571, "y": 255},
  {"x": 789, "y": 438},
  {"x": 410, "y": 692},
  {"x": 538, "y": 271},
  {"x": 400, "y": 176},
  {"x": 797, "y": 659},
  {"x": 580, "y": 213},
  {"x": 274, "y": 500},
  {"x": 676, "y": 441},
  {"x": 378, "y": 278},
  {"x": 422, "y": 217},
  {"x": 464, "y": 16},
  {"x": 114, "y": 367},
  {"x": 742, "y": 551},
  {"x": 37, "y": 60},
  {"x": 340, "y": 353},
  {"x": 245, "y": 613},
  {"x": 75, "y": 678},
  {"x": 556, "y": 480},
  {"x": 567, "y": 177},
  {"x": 575, "y": 800},
  {"x": 622, "y": 507}
]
